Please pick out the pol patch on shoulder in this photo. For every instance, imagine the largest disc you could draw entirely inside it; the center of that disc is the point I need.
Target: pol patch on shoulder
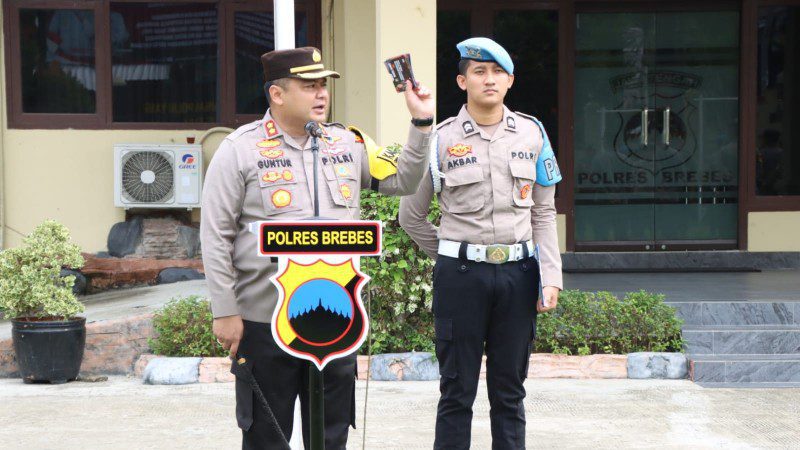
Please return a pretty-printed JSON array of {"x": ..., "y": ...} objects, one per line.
[{"x": 547, "y": 171}]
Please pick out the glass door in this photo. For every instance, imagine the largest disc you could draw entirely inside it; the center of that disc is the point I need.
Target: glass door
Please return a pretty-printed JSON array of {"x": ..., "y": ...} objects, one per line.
[
  {"x": 656, "y": 130},
  {"x": 697, "y": 130}
]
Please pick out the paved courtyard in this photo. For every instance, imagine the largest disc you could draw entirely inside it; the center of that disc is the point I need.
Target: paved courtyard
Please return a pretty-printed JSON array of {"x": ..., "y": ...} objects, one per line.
[{"x": 124, "y": 414}]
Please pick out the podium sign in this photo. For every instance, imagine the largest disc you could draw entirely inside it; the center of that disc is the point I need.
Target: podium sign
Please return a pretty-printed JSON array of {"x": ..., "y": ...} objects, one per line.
[{"x": 319, "y": 316}]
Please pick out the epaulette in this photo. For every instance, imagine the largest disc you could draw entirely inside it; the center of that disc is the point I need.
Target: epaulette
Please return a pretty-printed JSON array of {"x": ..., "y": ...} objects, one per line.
[
  {"x": 447, "y": 121},
  {"x": 243, "y": 129},
  {"x": 335, "y": 124},
  {"x": 529, "y": 117}
]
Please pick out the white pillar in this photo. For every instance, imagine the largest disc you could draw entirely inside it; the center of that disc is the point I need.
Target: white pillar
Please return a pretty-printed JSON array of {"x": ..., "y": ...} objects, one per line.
[{"x": 283, "y": 20}]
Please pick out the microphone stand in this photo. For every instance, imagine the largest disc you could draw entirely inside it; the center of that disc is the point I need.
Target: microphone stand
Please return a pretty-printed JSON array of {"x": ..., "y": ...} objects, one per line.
[
  {"x": 315, "y": 153},
  {"x": 316, "y": 387}
]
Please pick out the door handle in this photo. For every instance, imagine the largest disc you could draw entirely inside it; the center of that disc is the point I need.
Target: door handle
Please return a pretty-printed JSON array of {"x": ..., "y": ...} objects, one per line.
[
  {"x": 644, "y": 126},
  {"x": 666, "y": 126},
  {"x": 645, "y": 136}
]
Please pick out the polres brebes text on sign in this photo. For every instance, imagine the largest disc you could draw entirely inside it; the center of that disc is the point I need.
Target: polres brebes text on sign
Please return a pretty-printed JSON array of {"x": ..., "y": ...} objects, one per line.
[{"x": 359, "y": 237}]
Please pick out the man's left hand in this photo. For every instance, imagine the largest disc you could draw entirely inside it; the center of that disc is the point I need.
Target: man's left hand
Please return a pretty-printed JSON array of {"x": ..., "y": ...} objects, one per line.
[
  {"x": 420, "y": 101},
  {"x": 550, "y": 299}
]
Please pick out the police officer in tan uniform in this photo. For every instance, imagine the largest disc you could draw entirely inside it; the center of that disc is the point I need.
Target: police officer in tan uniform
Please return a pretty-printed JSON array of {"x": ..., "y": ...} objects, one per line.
[
  {"x": 264, "y": 171},
  {"x": 496, "y": 249}
]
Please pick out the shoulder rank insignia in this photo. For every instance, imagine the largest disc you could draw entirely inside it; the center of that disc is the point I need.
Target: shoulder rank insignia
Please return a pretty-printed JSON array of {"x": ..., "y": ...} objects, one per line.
[
  {"x": 382, "y": 160},
  {"x": 441, "y": 125}
]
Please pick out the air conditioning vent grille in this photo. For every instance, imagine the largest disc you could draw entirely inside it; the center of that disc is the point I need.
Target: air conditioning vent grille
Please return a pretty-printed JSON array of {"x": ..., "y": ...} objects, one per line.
[{"x": 148, "y": 177}]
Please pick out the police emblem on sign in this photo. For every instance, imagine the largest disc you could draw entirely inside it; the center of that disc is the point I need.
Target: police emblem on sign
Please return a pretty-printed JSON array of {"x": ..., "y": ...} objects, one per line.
[{"x": 319, "y": 315}]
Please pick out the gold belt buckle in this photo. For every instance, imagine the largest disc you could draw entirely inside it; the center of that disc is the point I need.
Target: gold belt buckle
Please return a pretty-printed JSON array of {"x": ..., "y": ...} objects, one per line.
[{"x": 497, "y": 254}]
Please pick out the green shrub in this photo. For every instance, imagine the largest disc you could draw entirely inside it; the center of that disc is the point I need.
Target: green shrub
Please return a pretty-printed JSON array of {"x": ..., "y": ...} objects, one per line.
[
  {"x": 583, "y": 323},
  {"x": 401, "y": 284},
  {"x": 30, "y": 281},
  {"x": 183, "y": 328},
  {"x": 587, "y": 323}
]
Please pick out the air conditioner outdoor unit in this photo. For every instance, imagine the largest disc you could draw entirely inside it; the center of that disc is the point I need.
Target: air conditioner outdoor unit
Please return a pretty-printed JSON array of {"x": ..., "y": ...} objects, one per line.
[{"x": 158, "y": 176}]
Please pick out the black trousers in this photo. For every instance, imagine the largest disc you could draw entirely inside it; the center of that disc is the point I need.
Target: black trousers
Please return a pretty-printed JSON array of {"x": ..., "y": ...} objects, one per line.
[
  {"x": 282, "y": 378},
  {"x": 480, "y": 307}
]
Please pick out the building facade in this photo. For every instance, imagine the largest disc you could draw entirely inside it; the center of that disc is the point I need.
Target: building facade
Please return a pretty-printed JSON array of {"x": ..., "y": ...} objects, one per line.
[{"x": 677, "y": 123}]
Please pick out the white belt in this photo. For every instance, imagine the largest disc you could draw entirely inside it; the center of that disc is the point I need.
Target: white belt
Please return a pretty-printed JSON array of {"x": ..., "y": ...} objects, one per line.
[{"x": 492, "y": 254}]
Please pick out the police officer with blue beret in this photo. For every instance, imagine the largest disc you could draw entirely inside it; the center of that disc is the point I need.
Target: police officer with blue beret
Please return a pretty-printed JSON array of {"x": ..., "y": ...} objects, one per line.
[{"x": 496, "y": 249}]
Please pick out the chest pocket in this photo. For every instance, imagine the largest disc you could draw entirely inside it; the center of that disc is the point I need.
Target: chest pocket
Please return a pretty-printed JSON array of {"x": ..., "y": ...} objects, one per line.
[
  {"x": 279, "y": 190},
  {"x": 342, "y": 183},
  {"x": 524, "y": 174},
  {"x": 463, "y": 191}
]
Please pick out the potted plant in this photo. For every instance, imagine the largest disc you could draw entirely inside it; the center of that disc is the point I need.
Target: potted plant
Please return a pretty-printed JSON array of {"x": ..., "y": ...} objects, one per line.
[{"x": 47, "y": 336}]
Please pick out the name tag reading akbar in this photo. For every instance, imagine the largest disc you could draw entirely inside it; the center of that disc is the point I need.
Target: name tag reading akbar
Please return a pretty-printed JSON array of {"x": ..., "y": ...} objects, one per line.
[{"x": 319, "y": 237}]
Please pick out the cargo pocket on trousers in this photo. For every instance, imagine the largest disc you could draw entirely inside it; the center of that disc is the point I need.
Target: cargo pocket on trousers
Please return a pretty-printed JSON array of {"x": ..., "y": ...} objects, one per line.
[
  {"x": 244, "y": 404},
  {"x": 531, "y": 345},
  {"x": 445, "y": 352}
]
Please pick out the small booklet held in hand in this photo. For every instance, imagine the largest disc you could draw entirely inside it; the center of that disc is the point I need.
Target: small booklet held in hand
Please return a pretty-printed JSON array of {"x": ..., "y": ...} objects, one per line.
[{"x": 400, "y": 69}]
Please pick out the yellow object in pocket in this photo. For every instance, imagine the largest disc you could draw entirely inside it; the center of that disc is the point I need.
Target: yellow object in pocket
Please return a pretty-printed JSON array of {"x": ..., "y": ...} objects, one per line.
[{"x": 382, "y": 161}]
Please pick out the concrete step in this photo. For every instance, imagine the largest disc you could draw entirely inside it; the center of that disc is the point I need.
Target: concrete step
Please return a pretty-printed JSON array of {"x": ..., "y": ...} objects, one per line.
[
  {"x": 778, "y": 340},
  {"x": 738, "y": 313},
  {"x": 697, "y": 328},
  {"x": 759, "y": 370}
]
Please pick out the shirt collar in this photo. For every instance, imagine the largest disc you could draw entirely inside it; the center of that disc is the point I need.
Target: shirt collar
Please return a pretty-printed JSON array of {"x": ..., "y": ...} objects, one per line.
[{"x": 469, "y": 127}]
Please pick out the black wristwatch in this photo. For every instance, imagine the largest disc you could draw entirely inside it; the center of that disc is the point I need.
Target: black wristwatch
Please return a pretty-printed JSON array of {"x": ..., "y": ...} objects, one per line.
[{"x": 422, "y": 122}]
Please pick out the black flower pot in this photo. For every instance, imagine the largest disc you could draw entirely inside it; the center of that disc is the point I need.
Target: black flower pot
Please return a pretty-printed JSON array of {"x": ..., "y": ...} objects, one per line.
[{"x": 49, "y": 350}]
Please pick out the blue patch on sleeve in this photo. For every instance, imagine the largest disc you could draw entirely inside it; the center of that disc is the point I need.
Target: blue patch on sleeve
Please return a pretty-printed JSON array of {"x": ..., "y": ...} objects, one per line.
[{"x": 547, "y": 171}]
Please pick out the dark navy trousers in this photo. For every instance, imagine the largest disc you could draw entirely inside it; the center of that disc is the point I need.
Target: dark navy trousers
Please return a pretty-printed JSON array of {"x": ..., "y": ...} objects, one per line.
[
  {"x": 282, "y": 378},
  {"x": 483, "y": 308}
]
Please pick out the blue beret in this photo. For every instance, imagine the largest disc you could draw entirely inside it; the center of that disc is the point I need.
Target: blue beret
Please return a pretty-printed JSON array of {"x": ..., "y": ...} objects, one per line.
[{"x": 485, "y": 49}]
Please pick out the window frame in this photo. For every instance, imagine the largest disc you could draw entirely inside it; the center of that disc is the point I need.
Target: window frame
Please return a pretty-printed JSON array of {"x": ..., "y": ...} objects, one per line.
[
  {"x": 102, "y": 118},
  {"x": 749, "y": 112}
]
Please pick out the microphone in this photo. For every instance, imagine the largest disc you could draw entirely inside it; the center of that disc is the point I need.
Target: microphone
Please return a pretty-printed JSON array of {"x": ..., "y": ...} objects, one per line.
[{"x": 313, "y": 129}]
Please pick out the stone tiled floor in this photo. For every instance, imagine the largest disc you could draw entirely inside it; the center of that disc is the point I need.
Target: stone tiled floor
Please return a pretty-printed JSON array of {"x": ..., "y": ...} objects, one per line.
[{"x": 124, "y": 414}]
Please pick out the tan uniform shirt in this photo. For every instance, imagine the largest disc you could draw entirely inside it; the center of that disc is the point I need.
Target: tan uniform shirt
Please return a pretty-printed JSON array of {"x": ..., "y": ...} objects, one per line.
[
  {"x": 260, "y": 173},
  {"x": 489, "y": 194}
]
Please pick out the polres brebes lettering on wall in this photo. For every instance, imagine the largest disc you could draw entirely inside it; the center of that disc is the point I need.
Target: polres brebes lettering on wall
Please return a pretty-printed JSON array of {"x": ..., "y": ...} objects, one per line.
[{"x": 665, "y": 177}]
